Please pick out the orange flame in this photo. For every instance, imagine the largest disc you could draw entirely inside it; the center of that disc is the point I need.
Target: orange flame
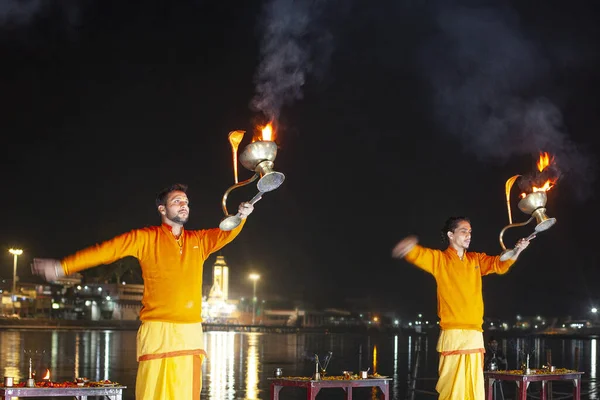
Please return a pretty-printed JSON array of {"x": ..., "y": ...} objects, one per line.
[
  {"x": 267, "y": 133},
  {"x": 47, "y": 376},
  {"x": 543, "y": 162},
  {"x": 545, "y": 187}
]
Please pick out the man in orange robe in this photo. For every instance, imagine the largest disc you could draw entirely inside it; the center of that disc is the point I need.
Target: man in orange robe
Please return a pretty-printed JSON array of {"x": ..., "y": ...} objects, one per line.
[
  {"x": 169, "y": 341},
  {"x": 460, "y": 305}
]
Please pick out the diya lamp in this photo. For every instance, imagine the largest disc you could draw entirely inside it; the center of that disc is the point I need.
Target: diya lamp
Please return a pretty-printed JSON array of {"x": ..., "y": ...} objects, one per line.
[
  {"x": 259, "y": 157},
  {"x": 533, "y": 204}
]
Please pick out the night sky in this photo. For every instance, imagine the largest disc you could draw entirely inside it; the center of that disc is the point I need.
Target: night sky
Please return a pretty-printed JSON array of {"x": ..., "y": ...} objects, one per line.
[{"x": 392, "y": 116}]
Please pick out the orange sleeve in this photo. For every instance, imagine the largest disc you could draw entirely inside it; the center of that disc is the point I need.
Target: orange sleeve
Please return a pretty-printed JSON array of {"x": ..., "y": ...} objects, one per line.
[
  {"x": 493, "y": 265},
  {"x": 424, "y": 258},
  {"x": 215, "y": 239},
  {"x": 127, "y": 244}
]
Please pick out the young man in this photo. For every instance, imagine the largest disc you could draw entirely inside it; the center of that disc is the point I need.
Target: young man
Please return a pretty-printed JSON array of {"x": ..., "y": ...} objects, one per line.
[
  {"x": 169, "y": 341},
  {"x": 460, "y": 304}
]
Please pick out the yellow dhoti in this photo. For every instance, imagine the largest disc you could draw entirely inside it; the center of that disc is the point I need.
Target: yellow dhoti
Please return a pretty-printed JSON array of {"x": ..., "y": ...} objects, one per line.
[
  {"x": 461, "y": 365},
  {"x": 170, "y": 361}
]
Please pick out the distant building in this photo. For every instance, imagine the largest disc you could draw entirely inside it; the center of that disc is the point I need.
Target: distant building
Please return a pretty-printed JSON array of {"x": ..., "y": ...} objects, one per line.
[
  {"x": 219, "y": 290},
  {"x": 217, "y": 307}
]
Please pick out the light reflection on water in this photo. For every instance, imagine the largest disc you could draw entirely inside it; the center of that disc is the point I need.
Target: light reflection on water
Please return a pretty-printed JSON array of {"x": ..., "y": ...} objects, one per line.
[{"x": 239, "y": 364}]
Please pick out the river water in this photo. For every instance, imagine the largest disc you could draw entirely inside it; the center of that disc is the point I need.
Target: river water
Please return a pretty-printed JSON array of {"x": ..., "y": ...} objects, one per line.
[{"x": 239, "y": 364}]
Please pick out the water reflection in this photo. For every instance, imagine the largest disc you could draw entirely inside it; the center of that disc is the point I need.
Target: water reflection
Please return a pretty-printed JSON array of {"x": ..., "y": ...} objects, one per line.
[
  {"x": 220, "y": 365},
  {"x": 54, "y": 353},
  {"x": 375, "y": 359},
  {"x": 593, "y": 359},
  {"x": 77, "y": 345},
  {"x": 593, "y": 363},
  {"x": 11, "y": 354},
  {"x": 409, "y": 352},
  {"x": 395, "y": 366},
  {"x": 252, "y": 367},
  {"x": 107, "y": 338}
]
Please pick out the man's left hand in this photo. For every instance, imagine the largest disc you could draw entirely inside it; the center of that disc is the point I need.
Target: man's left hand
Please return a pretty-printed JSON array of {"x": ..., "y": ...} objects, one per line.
[{"x": 245, "y": 209}]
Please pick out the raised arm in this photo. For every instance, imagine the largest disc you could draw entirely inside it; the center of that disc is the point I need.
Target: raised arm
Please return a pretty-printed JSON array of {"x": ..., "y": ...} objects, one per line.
[
  {"x": 215, "y": 239},
  {"x": 409, "y": 249}
]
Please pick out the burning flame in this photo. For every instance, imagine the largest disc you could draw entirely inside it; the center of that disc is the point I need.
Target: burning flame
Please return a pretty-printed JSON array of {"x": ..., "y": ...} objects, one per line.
[
  {"x": 47, "y": 376},
  {"x": 543, "y": 162},
  {"x": 267, "y": 133}
]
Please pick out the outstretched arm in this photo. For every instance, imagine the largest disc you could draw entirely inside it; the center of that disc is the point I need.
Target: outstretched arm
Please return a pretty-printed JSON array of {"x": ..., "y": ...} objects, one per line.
[
  {"x": 404, "y": 246},
  {"x": 50, "y": 270},
  {"x": 214, "y": 239},
  {"x": 422, "y": 257}
]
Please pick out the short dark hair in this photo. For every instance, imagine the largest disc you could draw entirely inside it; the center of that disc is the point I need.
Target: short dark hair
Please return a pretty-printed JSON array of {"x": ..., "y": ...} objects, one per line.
[
  {"x": 161, "y": 197},
  {"x": 450, "y": 225}
]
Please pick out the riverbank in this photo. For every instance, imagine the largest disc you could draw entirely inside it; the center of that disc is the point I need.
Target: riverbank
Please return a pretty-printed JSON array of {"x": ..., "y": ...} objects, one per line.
[{"x": 126, "y": 325}]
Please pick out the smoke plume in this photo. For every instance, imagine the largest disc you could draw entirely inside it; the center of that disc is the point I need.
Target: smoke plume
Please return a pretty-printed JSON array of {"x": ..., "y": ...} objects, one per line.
[
  {"x": 21, "y": 13},
  {"x": 18, "y": 11},
  {"x": 489, "y": 78},
  {"x": 293, "y": 45}
]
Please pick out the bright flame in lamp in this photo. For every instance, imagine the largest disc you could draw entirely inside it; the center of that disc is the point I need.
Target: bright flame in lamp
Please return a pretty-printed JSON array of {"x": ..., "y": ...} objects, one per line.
[
  {"x": 543, "y": 162},
  {"x": 47, "y": 376},
  {"x": 267, "y": 133}
]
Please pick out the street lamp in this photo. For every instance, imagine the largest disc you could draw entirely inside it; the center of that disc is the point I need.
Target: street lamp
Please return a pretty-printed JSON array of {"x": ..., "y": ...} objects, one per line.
[
  {"x": 254, "y": 278},
  {"x": 16, "y": 253}
]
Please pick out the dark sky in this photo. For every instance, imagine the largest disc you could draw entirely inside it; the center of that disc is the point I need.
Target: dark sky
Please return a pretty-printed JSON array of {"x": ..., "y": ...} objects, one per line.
[{"x": 392, "y": 117}]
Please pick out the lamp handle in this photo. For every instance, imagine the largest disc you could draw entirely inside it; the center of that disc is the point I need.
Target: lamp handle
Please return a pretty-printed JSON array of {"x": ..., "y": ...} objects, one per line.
[
  {"x": 511, "y": 226},
  {"x": 237, "y": 185}
]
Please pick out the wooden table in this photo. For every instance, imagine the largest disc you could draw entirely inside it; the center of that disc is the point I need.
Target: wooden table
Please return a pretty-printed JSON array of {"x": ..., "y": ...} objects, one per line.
[
  {"x": 523, "y": 380},
  {"x": 80, "y": 393},
  {"x": 313, "y": 387}
]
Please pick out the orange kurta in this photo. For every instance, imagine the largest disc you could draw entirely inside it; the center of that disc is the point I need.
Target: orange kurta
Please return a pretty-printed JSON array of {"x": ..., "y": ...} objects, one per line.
[
  {"x": 459, "y": 288},
  {"x": 460, "y": 309},
  {"x": 172, "y": 273}
]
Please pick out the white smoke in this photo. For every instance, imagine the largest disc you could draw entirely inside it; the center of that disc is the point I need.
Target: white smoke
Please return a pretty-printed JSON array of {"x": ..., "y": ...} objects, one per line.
[
  {"x": 292, "y": 46},
  {"x": 488, "y": 78},
  {"x": 18, "y": 11}
]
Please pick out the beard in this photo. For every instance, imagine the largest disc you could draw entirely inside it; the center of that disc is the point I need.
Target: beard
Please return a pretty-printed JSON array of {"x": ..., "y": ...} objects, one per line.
[{"x": 181, "y": 220}]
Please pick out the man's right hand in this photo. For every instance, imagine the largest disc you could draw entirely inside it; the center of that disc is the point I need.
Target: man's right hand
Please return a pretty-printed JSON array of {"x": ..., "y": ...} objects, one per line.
[
  {"x": 404, "y": 246},
  {"x": 50, "y": 270}
]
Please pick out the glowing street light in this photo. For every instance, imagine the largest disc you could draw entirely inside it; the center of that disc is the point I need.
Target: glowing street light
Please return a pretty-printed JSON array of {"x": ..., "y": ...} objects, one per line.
[
  {"x": 254, "y": 278},
  {"x": 16, "y": 253}
]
